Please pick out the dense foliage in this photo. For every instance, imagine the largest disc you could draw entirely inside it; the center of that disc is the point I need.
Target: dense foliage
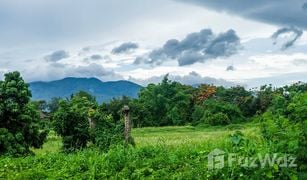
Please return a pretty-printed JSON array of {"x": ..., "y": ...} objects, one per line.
[
  {"x": 284, "y": 124},
  {"x": 171, "y": 103},
  {"x": 19, "y": 120},
  {"x": 167, "y": 103},
  {"x": 79, "y": 120},
  {"x": 72, "y": 122},
  {"x": 216, "y": 112},
  {"x": 106, "y": 132}
]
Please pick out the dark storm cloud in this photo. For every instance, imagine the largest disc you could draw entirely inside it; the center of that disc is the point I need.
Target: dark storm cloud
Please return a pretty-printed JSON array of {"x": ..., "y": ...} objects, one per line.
[
  {"x": 279, "y": 12},
  {"x": 125, "y": 47},
  {"x": 297, "y": 33},
  {"x": 96, "y": 57},
  {"x": 57, "y": 56},
  {"x": 195, "y": 47}
]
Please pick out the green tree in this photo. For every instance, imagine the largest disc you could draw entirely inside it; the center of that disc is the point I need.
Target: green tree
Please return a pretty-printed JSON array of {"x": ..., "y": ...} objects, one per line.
[
  {"x": 19, "y": 120},
  {"x": 115, "y": 106},
  {"x": 239, "y": 96},
  {"x": 264, "y": 98},
  {"x": 71, "y": 121},
  {"x": 86, "y": 95},
  {"x": 216, "y": 112},
  {"x": 166, "y": 103}
]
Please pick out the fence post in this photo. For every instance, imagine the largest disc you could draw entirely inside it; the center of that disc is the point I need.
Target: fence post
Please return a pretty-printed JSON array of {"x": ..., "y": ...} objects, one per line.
[{"x": 127, "y": 123}]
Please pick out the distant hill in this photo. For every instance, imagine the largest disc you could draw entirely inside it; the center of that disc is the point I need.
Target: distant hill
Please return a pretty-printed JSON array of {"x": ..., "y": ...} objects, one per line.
[{"x": 103, "y": 91}]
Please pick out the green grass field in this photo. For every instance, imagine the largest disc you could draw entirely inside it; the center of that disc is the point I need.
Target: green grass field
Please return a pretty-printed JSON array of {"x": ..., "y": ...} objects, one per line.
[
  {"x": 187, "y": 135},
  {"x": 172, "y": 136},
  {"x": 160, "y": 153}
]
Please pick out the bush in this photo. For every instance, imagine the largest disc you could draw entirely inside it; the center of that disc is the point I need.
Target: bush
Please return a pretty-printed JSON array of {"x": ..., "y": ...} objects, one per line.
[
  {"x": 106, "y": 132},
  {"x": 297, "y": 108},
  {"x": 215, "y": 119},
  {"x": 284, "y": 126},
  {"x": 215, "y": 112},
  {"x": 71, "y": 121},
  {"x": 80, "y": 121}
]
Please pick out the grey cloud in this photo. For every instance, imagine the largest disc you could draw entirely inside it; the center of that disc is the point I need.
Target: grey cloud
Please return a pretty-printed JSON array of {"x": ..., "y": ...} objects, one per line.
[
  {"x": 195, "y": 47},
  {"x": 193, "y": 78},
  {"x": 125, "y": 47},
  {"x": 278, "y": 12},
  {"x": 69, "y": 21},
  {"x": 230, "y": 68},
  {"x": 225, "y": 44},
  {"x": 93, "y": 70},
  {"x": 57, "y": 56},
  {"x": 57, "y": 65},
  {"x": 304, "y": 7},
  {"x": 57, "y": 70},
  {"x": 189, "y": 57},
  {"x": 138, "y": 60},
  {"x": 96, "y": 57},
  {"x": 297, "y": 33}
]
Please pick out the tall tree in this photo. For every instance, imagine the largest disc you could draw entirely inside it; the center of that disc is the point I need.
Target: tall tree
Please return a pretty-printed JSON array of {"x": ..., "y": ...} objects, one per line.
[
  {"x": 167, "y": 103},
  {"x": 19, "y": 129}
]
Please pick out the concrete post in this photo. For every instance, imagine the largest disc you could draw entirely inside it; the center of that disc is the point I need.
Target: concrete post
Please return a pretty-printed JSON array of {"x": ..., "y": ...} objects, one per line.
[{"x": 127, "y": 124}]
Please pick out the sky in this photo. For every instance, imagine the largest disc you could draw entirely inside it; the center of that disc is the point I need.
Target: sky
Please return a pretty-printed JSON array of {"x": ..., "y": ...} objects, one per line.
[{"x": 222, "y": 42}]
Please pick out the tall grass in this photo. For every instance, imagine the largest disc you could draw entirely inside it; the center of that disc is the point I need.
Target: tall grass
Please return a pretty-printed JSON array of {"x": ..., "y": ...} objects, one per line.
[{"x": 160, "y": 153}]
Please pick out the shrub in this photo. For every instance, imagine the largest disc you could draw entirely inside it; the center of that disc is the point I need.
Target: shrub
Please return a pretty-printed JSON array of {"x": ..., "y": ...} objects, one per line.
[
  {"x": 106, "y": 132},
  {"x": 80, "y": 121},
  {"x": 216, "y": 112},
  {"x": 284, "y": 126},
  {"x": 216, "y": 119},
  {"x": 297, "y": 108},
  {"x": 71, "y": 121}
]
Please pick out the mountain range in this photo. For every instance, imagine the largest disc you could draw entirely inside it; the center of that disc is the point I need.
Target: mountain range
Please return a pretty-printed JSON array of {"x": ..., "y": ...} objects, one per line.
[{"x": 103, "y": 91}]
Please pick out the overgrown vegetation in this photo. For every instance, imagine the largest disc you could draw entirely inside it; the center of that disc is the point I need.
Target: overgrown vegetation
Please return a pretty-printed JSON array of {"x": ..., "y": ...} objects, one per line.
[
  {"x": 80, "y": 120},
  {"x": 160, "y": 153},
  {"x": 246, "y": 122}
]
